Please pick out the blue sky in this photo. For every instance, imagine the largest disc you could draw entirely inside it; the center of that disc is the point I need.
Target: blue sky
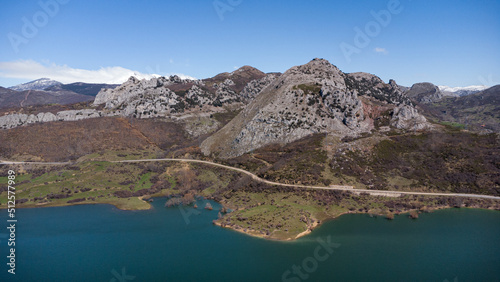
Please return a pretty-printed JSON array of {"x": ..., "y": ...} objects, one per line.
[{"x": 454, "y": 43}]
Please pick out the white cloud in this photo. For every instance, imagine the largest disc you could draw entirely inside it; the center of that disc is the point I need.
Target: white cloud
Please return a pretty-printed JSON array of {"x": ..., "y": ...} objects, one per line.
[
  {"x": 381, "y": 50},
  {"x": 29, "y": 69}
]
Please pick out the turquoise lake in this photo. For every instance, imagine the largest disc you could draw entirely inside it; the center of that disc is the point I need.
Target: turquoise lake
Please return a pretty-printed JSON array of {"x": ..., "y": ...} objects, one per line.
[{"x": 102, "y": 243}]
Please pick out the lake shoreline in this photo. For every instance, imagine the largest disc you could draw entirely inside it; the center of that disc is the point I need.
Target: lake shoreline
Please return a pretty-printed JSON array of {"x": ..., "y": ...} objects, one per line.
[{"x": 248, "y": 231}]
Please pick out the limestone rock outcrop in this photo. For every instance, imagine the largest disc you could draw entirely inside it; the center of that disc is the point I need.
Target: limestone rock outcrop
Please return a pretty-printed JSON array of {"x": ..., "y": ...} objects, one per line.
[{"x": 15, "y": 120}]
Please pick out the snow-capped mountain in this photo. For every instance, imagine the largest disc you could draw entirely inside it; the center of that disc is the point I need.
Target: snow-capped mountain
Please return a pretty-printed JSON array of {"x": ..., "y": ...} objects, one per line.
[
  {"x": 39, "y": 84},
  {"x": 463, "y": 91}
]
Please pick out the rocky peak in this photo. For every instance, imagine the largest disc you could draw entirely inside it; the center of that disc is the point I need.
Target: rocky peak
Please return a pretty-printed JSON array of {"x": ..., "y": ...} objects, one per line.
[
  {"x": 248, "y": 70},
  {"x": 318, "y": 69}
]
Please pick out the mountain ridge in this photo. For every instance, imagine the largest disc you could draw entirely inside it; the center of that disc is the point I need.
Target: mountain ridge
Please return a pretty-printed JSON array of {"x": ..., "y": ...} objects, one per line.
[{"x": 463, "y": 91}]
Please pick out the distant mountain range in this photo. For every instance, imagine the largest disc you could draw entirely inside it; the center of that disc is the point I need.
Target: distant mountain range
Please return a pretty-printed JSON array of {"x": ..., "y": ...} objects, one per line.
[
  {"x": 46, "y": 91},
  {"x": 68, "y": 93},
  {"x": 462, "y": 91},
  {"x": 315, "y": 97},
  {"x": 47, "y": 84}
]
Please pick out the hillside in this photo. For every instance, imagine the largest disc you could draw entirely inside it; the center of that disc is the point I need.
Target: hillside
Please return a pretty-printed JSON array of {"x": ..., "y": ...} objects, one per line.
[{"x": 480, "y": 111}]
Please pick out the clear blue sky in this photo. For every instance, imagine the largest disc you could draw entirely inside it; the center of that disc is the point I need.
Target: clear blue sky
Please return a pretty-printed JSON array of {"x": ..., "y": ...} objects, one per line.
[{"x": 455, "y": 43}]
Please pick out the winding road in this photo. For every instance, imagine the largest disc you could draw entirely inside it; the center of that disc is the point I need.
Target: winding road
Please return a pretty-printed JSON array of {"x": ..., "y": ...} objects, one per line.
[{"x": 257, "y": 178}]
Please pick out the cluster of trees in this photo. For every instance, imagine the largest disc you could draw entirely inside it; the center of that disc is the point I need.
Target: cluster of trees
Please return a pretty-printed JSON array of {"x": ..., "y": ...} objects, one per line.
[{"x": 300, "y": 161}]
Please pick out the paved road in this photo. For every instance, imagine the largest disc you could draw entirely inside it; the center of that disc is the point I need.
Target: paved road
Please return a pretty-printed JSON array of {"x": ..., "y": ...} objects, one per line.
[{"x": 256, "y": 178}]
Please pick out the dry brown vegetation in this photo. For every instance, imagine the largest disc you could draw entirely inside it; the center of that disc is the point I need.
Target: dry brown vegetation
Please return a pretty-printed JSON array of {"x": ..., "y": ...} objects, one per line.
[
  {"x": 302, "y": 161},
  {"x": 458, "y": 162},
  {"x": 61, "y": 141}
]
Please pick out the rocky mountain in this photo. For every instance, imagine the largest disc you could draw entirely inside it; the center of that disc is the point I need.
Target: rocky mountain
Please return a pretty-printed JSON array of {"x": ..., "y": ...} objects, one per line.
[
  {"x": 172, "y": 95},
  {"x": 89, "y": 89},
  {"x": 46, "y": 91},
  {"x": 425, "y": 93},
  {"x": 157, "y": 97},
  {"x": 462, "y": 91},
  {"x": 39, "y": 84},
  {"x": 315, "y": 98}
]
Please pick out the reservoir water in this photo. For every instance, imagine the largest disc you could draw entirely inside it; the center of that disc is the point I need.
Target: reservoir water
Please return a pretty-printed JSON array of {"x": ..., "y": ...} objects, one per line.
[{"x": 102, "y": 243}]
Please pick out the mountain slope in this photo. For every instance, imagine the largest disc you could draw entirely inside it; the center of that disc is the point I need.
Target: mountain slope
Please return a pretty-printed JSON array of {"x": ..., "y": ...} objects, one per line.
[
  {"x": 89, "y": 89},
  {"x": 312, "y": 98},
  {"x": 5, "y": 96}
]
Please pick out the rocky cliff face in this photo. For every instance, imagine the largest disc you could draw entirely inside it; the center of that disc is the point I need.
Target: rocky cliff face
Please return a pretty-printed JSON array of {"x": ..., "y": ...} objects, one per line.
[
  {"x": 312, "y": 98},
  {"x": 15, "y": 120}
]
